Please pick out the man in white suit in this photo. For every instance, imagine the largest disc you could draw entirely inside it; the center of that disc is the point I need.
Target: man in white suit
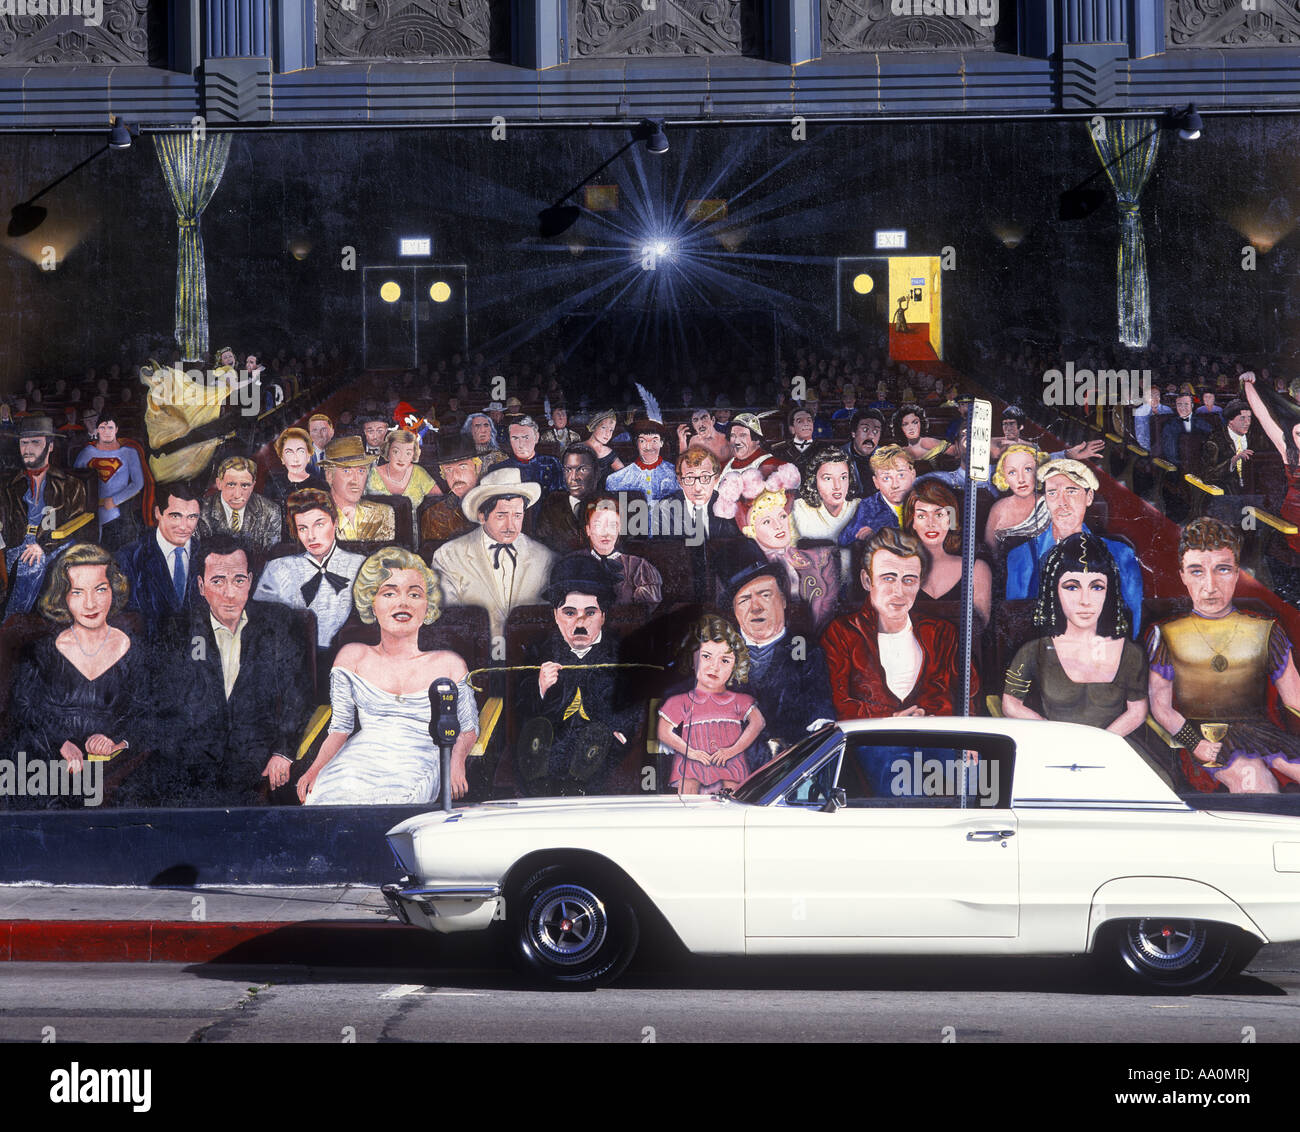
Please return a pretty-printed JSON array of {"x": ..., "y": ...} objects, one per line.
[
  {"x": 497, "y": 566},
  {"x": 319, "y": 579}
]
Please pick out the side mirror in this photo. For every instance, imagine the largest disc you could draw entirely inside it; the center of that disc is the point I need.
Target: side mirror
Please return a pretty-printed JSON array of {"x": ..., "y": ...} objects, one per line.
[{"x": 837, "y": 800}]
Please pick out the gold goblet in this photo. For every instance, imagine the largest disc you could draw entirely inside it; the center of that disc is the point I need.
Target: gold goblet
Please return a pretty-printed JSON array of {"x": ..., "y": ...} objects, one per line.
[{"x": 1214, "y": 733}]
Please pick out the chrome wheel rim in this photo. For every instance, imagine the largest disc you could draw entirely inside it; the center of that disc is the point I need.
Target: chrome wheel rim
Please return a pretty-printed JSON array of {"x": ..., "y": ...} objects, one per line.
[
  {"x": 1167, "y": 945},
  {"x": 567, "y": 924}
]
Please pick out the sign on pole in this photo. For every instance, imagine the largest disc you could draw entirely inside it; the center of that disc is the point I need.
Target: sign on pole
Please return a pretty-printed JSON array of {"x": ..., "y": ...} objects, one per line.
[
  {"x": 981, "y": 435},
  {"x": 979, "y": 438}
]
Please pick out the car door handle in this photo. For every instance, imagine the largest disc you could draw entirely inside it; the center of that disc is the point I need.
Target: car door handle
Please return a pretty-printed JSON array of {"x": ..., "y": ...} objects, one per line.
[{"x": 990, "y": 834}]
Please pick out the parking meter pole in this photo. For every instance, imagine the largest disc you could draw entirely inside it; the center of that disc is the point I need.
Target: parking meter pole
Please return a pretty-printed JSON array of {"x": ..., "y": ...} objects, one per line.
[
  {"x": 979, "y": 421},
  {"x": 444, "y": 728}
]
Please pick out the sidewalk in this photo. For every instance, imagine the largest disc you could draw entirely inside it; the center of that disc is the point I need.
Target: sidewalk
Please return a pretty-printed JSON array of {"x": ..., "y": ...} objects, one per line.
[{"x": 345, "y": 923}]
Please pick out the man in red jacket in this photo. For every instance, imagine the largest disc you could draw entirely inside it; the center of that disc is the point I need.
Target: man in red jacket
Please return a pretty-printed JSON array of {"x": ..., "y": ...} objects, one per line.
[{"x": 882, "y": 660}]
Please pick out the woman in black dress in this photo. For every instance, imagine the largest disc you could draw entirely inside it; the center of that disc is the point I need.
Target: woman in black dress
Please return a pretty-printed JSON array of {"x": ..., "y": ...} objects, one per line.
[
  {"x": 600, "y": 431},
  {"x": 933, "y": 514},
  {"x": 1084, "y": 668},
  {"x": 81, "y": 693},
  {"x": 293, "y": 447}
]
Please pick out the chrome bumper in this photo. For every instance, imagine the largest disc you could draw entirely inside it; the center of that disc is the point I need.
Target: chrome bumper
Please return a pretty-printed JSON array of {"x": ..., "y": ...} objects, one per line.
[{"x": 443, "y": 908}]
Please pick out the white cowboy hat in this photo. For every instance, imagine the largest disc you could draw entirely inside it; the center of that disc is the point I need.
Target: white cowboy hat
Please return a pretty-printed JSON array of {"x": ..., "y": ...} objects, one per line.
[{"x": 499, "y": 481}]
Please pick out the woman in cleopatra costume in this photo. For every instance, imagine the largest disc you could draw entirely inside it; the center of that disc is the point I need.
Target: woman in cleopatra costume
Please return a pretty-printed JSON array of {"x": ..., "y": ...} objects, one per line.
[
  {"x": 81, "y": 693},
  {"x": 379, "y": 750},
  {"x": 1210, "y": 673},
  {"x": 1084, "y": 668}
]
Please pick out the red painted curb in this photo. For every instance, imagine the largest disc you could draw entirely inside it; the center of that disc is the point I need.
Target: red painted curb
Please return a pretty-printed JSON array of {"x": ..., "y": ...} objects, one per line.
[{"x": 179, "y": 941}]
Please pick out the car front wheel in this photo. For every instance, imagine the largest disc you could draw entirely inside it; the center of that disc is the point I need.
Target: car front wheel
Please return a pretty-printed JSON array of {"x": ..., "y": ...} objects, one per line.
[
  {"x": 1177, "y": 956},
  {"x": 571, "y": 929}
]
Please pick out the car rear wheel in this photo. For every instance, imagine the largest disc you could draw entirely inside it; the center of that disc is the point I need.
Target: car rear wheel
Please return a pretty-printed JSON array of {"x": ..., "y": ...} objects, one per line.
[
  {"x": 571, "y": 928},
  {"x": 1162, "y": 953}
]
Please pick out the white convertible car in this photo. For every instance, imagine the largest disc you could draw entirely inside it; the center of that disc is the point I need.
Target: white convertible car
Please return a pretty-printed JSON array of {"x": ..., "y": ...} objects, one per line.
[{"x": 904, "y": 837}]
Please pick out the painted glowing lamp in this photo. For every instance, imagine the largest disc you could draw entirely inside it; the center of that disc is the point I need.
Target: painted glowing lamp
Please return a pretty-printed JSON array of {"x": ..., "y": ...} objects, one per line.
[
  {"x": 26, "y": 216},
  {"x": 560, "y": 217}
]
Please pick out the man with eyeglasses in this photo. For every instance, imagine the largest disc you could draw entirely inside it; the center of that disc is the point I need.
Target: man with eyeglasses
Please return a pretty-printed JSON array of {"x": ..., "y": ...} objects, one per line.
[{"x": 688, "y": 513}]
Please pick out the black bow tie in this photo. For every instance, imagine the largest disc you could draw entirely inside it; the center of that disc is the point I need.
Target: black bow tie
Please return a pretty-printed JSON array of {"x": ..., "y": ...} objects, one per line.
[
  {"x": 497, "y": 548},
  {"x": 311, "y": 587}
]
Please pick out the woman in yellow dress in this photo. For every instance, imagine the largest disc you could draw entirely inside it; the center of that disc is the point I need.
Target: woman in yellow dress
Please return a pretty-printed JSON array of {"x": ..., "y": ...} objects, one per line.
[{"x": 400, "y": 474}]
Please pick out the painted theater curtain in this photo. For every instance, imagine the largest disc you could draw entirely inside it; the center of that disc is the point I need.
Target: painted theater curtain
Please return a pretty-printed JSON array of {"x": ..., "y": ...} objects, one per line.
[
  {"x": 192, "y": 167},
  {"x": 1127, "y": 149}
]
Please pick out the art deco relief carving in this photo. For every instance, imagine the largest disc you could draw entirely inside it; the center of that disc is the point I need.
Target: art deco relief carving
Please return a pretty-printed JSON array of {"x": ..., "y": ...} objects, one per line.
[
  {"x": 410, "y": 30},
  {"x": 1228, "y": 23},
  {"x": 128, "y": 31},
  {"x": 871, "y": 25},
  {"x": 603, "y": 28}
]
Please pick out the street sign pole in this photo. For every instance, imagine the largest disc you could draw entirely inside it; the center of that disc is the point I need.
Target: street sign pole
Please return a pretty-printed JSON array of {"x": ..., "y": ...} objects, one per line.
[{"x": 979, "y": 435}]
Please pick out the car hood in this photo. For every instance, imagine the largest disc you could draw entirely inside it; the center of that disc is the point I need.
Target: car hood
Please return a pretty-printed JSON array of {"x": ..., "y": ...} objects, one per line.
[{"x": 593, "y": 810}]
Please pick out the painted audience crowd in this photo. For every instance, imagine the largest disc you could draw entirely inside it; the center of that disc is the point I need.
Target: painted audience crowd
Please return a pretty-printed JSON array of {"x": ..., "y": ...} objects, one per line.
[{"x": 680, "y": 593}]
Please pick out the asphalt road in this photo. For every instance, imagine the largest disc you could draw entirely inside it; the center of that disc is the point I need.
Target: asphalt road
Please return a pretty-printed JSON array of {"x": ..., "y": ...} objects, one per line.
[{"x": 996, "y": 1000}]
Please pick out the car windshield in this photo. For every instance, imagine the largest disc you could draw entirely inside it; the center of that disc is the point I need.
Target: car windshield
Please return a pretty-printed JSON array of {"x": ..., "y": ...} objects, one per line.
[{"x": 761, "y": 782}]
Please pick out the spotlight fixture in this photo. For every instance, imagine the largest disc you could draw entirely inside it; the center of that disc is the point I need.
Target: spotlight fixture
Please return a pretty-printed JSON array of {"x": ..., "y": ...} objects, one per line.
[
  {"x": 560, "y": 217},
  {"x": 24, "y": 219},
  {"x": 651, "y": 131},
  {"x": 122, "y": 133},
  {"x": 1186, "y": 121},
  {"x": 26, "y": 216}
]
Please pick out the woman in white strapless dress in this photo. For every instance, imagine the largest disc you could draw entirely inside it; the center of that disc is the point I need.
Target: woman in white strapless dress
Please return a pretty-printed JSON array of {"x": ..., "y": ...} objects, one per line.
[{"x": 378, "y": 750}]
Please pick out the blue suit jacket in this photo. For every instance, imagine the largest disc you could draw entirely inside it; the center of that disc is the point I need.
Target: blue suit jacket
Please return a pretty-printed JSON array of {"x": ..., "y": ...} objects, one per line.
[
  {"x": 1024, "y": 571},
  {"x": 872, "y": 512},
  {"x": 150, "y": 577}
]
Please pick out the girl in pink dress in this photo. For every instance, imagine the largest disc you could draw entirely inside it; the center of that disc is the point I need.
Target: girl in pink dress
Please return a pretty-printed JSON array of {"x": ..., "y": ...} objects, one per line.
[{"x": 711, "y": 728}]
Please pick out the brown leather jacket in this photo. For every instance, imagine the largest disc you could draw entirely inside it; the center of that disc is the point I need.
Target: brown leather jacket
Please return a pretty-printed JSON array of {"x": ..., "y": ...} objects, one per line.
[{"x": 65, "y": 498}]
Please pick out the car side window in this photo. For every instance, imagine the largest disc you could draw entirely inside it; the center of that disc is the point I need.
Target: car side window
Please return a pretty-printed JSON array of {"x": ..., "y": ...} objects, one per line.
[
  {"x": 945, "y": 770},
  {"x": 813, "y": 789}
]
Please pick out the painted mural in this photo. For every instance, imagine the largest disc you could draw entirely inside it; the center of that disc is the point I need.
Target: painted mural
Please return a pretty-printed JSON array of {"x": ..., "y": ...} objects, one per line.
[{"x": 642, "y": 540}]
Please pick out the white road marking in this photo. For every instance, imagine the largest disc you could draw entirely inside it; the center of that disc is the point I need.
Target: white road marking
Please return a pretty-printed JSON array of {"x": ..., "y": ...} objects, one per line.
[{"x": 404, "y": 989}]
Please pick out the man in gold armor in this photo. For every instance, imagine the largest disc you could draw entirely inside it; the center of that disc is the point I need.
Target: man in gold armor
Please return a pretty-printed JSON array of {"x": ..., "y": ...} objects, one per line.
[{"x": 1213, "y": 667}]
